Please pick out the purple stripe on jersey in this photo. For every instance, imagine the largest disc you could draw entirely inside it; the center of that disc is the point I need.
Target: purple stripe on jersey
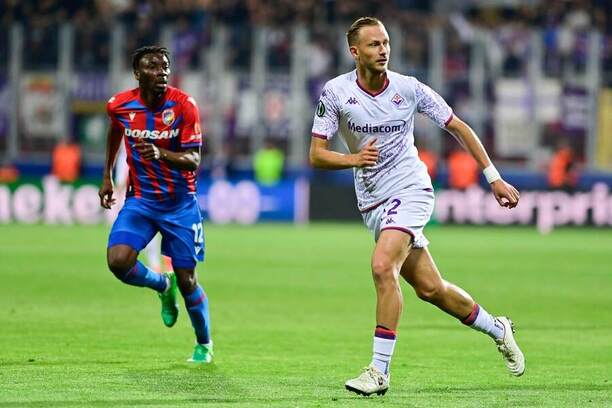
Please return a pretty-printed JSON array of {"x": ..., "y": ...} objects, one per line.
[
  {"x": 177, "y": 122},
  {"x": 135, "y": 159},
  {"x": 123, "y": 121},
  {"x": 167, "y": 105},
  {"x": 178, "y": 176},
  {"x": 317, "y": 135},
  {"x": 180, "y": 183},
  {"x": 140, "y": 170},
  {"x": 159, "y": 176},
  {"x": 133, "y": 104},
  {"x": 144, "y": 177},
  {"x": 175, "y": 142}
]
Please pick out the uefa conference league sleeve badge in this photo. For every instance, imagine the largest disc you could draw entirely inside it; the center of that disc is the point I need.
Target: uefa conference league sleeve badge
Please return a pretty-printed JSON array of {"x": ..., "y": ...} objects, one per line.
[{"x": 320, "y": 109}]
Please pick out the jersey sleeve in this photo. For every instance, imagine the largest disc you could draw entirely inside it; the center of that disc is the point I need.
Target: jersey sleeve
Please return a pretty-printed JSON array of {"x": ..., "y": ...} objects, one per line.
[
  {"x": 325, "y": 124},
  {"x": 432, "y": 105},
  {"x": 110, "y": 111},
  {"x": 191, "y": 134}
]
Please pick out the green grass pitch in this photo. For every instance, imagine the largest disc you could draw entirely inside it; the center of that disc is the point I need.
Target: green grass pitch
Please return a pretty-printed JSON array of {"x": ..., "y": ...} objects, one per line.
[{"x": 293, "y": 316}]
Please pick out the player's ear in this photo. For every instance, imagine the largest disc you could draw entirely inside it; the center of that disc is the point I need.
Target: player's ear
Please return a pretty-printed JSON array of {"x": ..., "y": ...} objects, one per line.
[
  {"x": 353, "y": 50},
  {"x": 137, "y": 74}
]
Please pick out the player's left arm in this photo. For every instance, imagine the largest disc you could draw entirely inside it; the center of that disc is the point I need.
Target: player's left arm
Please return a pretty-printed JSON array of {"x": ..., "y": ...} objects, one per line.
[{"x": 505, "y": 194}]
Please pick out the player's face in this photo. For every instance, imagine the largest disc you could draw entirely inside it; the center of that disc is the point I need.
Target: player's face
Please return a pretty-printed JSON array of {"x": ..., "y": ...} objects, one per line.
[
  {"x": 152, "y": 72},
  {"x": 372, "y": 49}
]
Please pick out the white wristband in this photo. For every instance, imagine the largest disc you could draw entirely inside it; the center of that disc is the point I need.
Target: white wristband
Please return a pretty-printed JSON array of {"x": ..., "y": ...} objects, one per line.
[
  {"x": 156, "y": 153},
  {"x": 491, "y": 174}
]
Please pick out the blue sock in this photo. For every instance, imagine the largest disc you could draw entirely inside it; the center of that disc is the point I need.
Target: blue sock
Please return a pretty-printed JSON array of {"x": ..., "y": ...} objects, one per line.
[
  {"x": 197, "y": 307},
  {"x": 140, "y": 275}
]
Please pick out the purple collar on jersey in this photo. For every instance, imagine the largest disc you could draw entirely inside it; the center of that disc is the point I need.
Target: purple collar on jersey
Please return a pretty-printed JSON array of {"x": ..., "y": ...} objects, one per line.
[{"x": 385, "y": 85}]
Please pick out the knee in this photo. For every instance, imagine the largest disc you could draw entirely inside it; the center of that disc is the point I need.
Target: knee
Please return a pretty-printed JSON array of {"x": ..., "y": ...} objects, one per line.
[
  {"x": 119, "y": 264},
  {"x": 429, "y": 292},
  {"x": 383, "y": 272},
  {"x": 186, "y": 281}
]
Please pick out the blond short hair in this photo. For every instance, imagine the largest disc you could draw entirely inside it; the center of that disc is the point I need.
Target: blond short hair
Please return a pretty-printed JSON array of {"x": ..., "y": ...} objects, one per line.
[{"x": 353, "y": 32}]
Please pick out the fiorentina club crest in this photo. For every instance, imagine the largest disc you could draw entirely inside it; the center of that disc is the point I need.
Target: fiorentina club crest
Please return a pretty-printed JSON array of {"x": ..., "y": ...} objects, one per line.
[
  {"x": 397, "y": 99},
  {"x": 168, "y": 117}
]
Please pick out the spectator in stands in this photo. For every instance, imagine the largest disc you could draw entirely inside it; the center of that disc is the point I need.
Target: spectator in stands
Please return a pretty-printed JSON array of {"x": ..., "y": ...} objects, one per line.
[
  {"x": 463, "y": 170},
  {"x": 562, "y": 170},
  {"x": 268, "y": 164},
  {"x": 66, "y": 161}
]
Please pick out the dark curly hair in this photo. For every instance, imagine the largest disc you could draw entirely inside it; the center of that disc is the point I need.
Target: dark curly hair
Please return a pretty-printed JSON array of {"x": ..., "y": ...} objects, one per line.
[{"x": 149, "y": 49}]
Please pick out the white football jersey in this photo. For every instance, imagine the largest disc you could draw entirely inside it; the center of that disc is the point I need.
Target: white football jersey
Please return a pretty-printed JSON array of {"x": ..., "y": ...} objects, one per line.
[{"x": 388, "y": 116}]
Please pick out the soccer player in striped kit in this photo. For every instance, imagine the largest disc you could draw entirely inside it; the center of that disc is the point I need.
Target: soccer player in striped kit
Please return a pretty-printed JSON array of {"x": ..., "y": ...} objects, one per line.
[
  {"x": 373, "y": 110},
  {"x": 160, "y": 127}
]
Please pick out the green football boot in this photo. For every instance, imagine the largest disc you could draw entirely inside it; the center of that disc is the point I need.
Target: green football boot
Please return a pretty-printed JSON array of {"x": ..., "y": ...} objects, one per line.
[
  {"x": 202, "y": 354},
  {"x": 170, "y": 308}
]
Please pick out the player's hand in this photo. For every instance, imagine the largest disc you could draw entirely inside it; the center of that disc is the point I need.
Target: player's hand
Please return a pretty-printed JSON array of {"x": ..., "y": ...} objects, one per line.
[
  {"x": 505, "y": 193},
  {"x": 106, "y": 194},
  {"x": 368, "y": 156},
  {"x": 148, "y": 151}
]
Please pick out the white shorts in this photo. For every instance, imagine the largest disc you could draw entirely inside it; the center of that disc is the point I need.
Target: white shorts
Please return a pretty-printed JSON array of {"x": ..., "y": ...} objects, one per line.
[{"x": 408, "y": 211}]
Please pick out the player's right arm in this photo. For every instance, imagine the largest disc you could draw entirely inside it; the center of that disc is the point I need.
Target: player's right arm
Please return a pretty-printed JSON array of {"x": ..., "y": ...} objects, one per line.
[
  {"x": 324, "y": 127},
  {"x": 323, "y": 158},
  {"x": 113, "y": 139}
]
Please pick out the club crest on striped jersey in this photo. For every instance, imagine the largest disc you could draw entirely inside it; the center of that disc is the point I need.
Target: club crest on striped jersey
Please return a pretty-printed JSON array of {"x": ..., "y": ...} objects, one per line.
[
  {"x": 397, "y": 99},
  {"x": 168, "y": 117}
]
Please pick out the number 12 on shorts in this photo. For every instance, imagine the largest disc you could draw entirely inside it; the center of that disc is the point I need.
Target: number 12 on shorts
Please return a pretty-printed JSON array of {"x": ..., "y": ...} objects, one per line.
[{"x": 198, "y": 235}]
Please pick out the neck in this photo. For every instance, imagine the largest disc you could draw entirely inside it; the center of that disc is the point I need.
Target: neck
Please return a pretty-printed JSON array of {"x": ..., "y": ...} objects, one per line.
[
  {"x": 370, "y": 80},
  {"x": 151, "y": 98}
]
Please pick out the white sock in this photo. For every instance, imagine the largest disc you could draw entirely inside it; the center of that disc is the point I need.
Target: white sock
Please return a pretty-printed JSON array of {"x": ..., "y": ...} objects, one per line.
[
  {"x": 383, "y": 351},
  {"x": 486, "y": 323}
]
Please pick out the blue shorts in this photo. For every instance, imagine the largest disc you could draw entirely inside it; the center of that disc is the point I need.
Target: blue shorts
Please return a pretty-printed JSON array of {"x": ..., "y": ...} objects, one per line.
[{"x": 180, "y": 226}]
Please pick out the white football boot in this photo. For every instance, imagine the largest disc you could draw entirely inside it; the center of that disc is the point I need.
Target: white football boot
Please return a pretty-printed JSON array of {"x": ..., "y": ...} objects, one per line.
[
  {"x": 513, "y": 356},
  {"x": 370, "y": 381}
]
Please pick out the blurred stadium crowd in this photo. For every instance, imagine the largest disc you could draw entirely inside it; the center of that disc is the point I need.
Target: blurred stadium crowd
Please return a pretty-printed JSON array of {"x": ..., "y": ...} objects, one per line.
[
  {"x": 506, "y": 28},
  {"x": 564, "y": 23}
]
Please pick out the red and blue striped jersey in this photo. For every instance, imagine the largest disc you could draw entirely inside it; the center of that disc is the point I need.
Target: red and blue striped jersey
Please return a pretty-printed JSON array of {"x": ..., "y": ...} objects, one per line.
[{"x": 174, "y": 125}]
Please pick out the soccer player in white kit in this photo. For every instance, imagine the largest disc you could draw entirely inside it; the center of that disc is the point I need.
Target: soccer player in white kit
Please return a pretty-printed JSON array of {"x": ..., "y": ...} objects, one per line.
[{"x": 373, "y": 110}]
